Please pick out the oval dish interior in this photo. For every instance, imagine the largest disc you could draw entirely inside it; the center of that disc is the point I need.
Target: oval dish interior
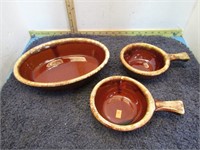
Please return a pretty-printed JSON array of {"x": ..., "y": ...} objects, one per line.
[{"x": 62, "y": 62}]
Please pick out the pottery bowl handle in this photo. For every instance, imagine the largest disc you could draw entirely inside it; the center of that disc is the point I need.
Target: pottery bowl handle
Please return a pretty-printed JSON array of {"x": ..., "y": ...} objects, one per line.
[
  {"x": 179, "y": 56},
  {"x": 175, "y": 106}
]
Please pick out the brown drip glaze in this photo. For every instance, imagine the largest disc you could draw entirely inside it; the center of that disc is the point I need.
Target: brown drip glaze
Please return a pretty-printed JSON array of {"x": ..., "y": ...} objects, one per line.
[
  {"x": 124, "y": 104},
  {"x": 144, "y": 59},
  {"x": 62, "y": 62},
  {"x": 120, "y": 102},
  {"x": 68, "y": 67}
]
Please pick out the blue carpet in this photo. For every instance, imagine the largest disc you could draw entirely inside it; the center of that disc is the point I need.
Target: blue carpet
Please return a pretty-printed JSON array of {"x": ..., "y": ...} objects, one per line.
[{"x": 32, "y": 118}]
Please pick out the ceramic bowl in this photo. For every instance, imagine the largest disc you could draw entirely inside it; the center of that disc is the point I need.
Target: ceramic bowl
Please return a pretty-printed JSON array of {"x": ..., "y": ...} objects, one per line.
[
  {"x": 61, "y": 62},
  {"x": 145, "y": 60},
  {"x": 124, "y": 104}
]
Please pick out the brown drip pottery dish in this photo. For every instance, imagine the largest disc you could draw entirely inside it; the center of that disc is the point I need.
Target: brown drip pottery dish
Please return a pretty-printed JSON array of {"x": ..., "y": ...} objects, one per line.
[
  {"x": 145, "y": 60},
  {"x": 124, "y": 104},
  {"x": 61, "y": 62}
]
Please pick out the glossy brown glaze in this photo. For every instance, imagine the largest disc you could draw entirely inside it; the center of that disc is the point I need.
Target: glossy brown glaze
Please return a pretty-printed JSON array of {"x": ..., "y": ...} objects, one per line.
[
  {"x": 62, "y": 62},
  {"x": 124, "y": 104},
  {"x": 120, "y": 102},
  {"x": 64, "y": 68},
  {"x": 144, "y": 59}
]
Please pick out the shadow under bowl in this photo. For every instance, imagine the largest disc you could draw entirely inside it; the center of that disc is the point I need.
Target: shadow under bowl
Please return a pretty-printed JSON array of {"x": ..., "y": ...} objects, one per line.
[{"x": 62, "y": 62}]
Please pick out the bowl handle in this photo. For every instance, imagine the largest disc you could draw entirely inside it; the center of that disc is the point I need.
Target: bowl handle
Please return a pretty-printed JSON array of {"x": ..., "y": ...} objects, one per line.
[
  {"x": 179, "y": 56},
  {"x": 175, "y": 106}
]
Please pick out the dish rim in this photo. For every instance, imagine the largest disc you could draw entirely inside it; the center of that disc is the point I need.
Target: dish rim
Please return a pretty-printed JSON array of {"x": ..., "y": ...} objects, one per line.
[
  {"x": 141, "y": 72},
  {"x": 46, "y": 45},
  {"x": 148, "y": 115}
]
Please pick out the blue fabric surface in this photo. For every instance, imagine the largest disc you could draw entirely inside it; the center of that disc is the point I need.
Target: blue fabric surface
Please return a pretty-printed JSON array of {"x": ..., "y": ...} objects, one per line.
[{"x": 32, "y": 118}]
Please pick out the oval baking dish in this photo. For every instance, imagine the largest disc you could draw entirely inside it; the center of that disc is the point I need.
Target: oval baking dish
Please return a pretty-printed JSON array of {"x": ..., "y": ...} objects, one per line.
[{"x": 61, "y": 62}]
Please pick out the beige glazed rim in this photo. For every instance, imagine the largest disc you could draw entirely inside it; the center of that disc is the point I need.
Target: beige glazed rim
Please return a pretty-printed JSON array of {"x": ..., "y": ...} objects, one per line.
[
  {"x": 165, "y": 56},
  {"x": 44, "y": 46},
  {"x": 150, "y": 105}
]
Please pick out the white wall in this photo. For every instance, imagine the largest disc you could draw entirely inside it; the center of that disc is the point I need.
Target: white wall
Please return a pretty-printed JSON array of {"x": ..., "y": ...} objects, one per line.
[
  {"x": 192, "y": 32},
  {"x": 14, "y": 37},
  {"x": 44, "y": 14},
  {"x": 20, "y": 16},
  {"x": 132, "y": 14}
]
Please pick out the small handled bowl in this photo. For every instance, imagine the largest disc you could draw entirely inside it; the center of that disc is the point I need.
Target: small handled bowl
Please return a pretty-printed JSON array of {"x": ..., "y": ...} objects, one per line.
[
  {"x": 144, "y": 60},
  {"x": 124, "y": 104}
]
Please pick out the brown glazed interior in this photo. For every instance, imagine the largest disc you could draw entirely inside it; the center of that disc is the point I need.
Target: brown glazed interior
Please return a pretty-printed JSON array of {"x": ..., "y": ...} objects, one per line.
[
  {"x": 124, "y": 104},
  {"x": 120, "y": 102},
  {"x": 62, "y": 62},
  {"x": 144, "y": 58}
]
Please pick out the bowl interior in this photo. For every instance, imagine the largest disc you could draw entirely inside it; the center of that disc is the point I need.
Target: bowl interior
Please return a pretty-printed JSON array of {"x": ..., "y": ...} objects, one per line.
[
  {"x": 62, "y": 62},
  {"x": 120, "y": 102},
  {"x": 144, "y": 58}
]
